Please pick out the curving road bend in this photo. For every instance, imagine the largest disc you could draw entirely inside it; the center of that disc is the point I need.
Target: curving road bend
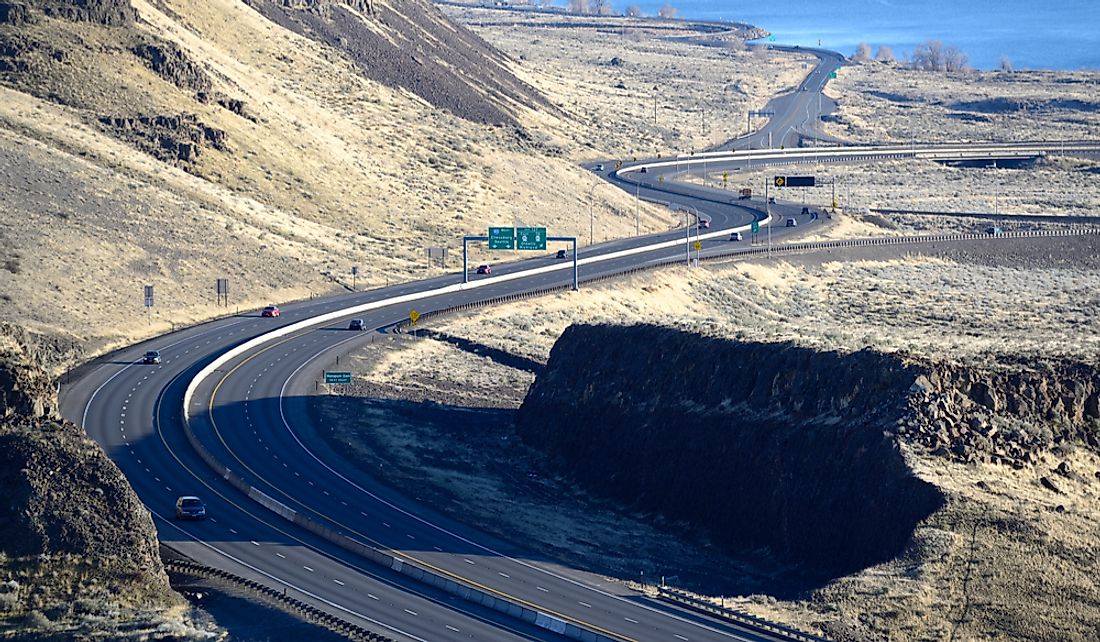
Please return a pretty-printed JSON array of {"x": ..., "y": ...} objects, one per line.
[{"x": 251, "y": 416}]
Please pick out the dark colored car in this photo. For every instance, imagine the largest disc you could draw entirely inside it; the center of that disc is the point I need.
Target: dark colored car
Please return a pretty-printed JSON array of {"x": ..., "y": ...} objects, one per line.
[
  {"x": 270, "y": 311},
  {"x": 644, "y": 170},
  {"x": 357, "y": 324},
  {"x": 484, "y": 269},
  {"x": 152, "y": 356},
  {"x": 560, "y": 254},
  {"x": 792, "y": 223},
  {"x": 805, "y": 211},
  {"x": 190, "y": 507}
]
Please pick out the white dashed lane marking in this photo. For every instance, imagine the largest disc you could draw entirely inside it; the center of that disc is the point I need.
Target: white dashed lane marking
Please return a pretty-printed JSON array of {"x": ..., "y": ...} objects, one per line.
[
  {"x": 338, "y": 582},
  {"x": 308, "y": 569}
]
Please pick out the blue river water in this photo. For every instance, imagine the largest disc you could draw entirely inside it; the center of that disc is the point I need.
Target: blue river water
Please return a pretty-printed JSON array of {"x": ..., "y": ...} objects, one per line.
[{"x": 1032, "y": 34}]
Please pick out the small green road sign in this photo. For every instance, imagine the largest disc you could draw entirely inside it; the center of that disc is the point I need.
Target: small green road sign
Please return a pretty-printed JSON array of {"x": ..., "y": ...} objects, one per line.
[
  {"x": 414, "y": 316},
  {"x": 772, "y": 38},
  {"x": 337, "y": 377},
  {"x": 756, "y": 227},
  {"x": 530, "y": 238},
  {"x": 832, "y": 75},
  {"x": 502, "y": 238}
]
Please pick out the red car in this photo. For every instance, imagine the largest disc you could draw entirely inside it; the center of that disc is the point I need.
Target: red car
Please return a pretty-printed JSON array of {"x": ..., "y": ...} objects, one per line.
[
  {"x": 270, "y": 311},
  {"x": 484, "y": 269}
]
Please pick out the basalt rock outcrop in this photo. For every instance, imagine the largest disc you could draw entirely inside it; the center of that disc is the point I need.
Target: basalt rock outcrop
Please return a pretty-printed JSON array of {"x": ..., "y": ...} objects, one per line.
[
  {"x": 174, "y": 139},
  {"x": 60, "y": 495},
  {"x": 105, "y": 12},
  {"x": 777, "y": 446}
]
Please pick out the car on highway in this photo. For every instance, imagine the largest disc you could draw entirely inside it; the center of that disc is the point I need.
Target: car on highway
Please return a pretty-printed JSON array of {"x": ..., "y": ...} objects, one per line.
[
  {"x": 704, "y": 224},
  {"x": 152, "y": 356},
  {"x": 644, "y": 170},
  {"x": 805, "y": 211},
  {"x": 357, "y": 324},
  {"x": 598, "y": 167},
  {"x": 736, "y": 236},
  {"x": 190, "y": 507},
  {"x": 484, "y": 269},
  {"x": 560, "y": 255},
  {"x": 771, "y": 200},
  {"x": 792, "y": 223},
  {"x": 270, "y": 311}
]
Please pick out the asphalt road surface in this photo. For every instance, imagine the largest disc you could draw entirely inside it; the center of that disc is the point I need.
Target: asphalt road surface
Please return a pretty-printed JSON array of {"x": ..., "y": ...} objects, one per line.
[{"x": 251, "y": 417}]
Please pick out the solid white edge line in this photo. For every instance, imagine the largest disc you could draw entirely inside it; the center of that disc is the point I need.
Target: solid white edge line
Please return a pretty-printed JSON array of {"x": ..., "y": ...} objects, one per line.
[{"x": 287, "y": 584}]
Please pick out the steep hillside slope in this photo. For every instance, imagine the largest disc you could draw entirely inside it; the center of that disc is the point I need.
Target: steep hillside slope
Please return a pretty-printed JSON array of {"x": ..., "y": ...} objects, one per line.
[{"x": 147, "y": 143}]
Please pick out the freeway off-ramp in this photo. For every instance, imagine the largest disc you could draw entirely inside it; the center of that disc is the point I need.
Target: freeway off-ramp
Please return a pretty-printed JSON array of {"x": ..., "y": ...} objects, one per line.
[{"x": 249, "y": 415}]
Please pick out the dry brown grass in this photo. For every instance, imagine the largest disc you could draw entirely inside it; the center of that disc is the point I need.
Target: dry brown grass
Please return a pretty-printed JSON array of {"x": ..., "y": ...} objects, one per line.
[
  {"x": 888, "y": 103},
  {"x": 1011, "y": 550}
]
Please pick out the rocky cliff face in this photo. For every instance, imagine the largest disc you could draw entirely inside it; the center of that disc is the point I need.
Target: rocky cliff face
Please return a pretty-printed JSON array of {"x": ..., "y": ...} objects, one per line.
[
  {"x": 104, "y": 12},
  {"x": 779, "y": 446},
  {"x": 62, "y": 498}
]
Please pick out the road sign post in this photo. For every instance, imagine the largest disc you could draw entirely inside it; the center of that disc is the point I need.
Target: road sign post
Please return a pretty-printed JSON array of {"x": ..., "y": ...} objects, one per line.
[
  {"x": 342, "y": 378},
  {"x": 148, "y": 297},
  {"x": 502, "y": 238},
  {"x": 794, "y": 181},
  {"x": 414, "y": 316},
  {"x": 531, "y": 238},
  {"x": 222, "y": 288}
]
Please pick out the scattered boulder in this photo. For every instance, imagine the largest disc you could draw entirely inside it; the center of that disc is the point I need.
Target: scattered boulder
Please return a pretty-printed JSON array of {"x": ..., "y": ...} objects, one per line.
[{"x": 1049, "y": 484}]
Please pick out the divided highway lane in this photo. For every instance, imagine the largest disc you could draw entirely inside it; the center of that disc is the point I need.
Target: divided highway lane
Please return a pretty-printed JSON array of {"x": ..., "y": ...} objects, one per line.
[
  {"x": 256, "y": 424},
  {"x": 144, "y": 440},
  {"x": 133, "y": 411}
]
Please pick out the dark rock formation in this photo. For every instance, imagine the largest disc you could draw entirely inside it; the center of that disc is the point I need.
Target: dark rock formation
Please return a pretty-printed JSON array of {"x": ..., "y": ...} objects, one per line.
[
  {"x": 784, "y": 447},
  {"x": 15, "y": 14},
  {"x": 174, "y": 139},
  {"x": 105, "y": 12},
  {"x": 59, "y": 492},
  {"x": 761, "y": 445},
  {"x": 169, "y": 62}
]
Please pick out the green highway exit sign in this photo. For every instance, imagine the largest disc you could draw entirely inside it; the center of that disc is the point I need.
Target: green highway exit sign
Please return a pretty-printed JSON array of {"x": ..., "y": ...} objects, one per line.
[
  {"x": 337, "y": 377},
  {"x": 530, "y": 238},
  {"x": 502, "y": 238}
]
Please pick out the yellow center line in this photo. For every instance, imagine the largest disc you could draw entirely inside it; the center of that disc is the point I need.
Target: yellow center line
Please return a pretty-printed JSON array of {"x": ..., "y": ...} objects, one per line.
[{"x": 374, "y": 543}]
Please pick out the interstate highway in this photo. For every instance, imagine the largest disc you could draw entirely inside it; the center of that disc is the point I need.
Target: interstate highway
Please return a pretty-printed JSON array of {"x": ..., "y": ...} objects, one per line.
[{"x": 255, "y": 425}]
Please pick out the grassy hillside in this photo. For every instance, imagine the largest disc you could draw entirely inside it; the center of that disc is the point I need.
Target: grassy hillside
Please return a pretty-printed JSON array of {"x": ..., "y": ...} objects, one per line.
[{"x": 145, "y": 142}]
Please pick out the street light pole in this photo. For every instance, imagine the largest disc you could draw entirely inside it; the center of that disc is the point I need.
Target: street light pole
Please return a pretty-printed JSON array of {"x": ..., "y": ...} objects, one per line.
[{"x": 655, "y": 105}]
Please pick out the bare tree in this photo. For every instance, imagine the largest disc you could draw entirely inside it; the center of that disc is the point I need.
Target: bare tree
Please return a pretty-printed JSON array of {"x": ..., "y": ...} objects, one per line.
[
  {"x": 928, "y": 56},
  {"x": 885, "y": 54},
  {"x": 934, "y": 56},
  {"x": 667, "y": 11},
  {"x": 1006, "y": 64},
  {"x": 863, "y": 53},
  {"x": 602, "y": 7},
  {"x": 578, "y": 6},
  {"x": 634, "y": 11},
  {"x": 954, "y": 59}
]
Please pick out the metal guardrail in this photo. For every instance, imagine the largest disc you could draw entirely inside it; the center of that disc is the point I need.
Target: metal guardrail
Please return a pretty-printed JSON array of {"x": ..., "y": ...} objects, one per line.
[
  {"x": 281, "y": 600},
  {"x": 754, "y": 252},
  {"x": 465, "y": 589},
  {"x": 740, "y": 617}
]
